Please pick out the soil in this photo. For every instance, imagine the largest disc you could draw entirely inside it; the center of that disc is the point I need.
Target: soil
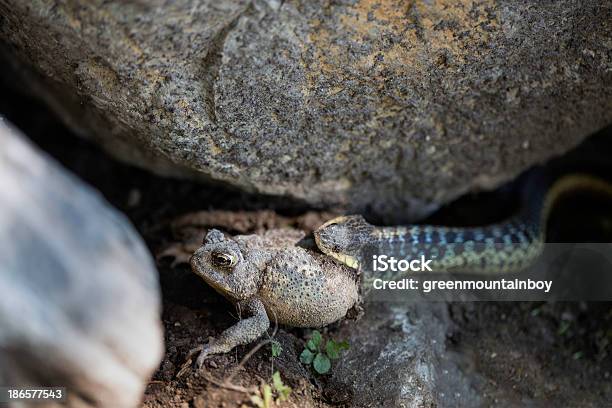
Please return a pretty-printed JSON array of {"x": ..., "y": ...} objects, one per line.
[{"x": 547, "y": 354}]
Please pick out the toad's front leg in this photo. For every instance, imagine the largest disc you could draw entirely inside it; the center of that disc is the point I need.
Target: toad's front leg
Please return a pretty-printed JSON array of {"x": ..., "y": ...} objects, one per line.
[{"x": 243, "y": 332}]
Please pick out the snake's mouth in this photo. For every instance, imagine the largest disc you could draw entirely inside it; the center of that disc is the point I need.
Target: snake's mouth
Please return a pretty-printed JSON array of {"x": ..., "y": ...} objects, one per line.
[{"x": 348, "y": 260}]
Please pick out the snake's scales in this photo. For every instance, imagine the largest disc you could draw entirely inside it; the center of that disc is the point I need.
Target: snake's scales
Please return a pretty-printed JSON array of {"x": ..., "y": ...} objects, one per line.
[{"x": 498, "y": 248}]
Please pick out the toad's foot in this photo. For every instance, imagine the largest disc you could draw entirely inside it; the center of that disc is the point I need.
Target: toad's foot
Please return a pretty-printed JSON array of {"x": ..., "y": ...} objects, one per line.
[{"x": 243, "y": 332}]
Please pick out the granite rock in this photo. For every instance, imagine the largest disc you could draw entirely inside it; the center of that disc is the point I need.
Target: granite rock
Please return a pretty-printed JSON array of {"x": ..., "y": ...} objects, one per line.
[
  {"x": 383, "y": 105},
  {"x": 399, "y": 358}
]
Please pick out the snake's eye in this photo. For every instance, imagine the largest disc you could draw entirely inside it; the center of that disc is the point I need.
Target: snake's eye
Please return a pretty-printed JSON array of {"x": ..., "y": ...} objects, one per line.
[{"x": 223, "y": 260}]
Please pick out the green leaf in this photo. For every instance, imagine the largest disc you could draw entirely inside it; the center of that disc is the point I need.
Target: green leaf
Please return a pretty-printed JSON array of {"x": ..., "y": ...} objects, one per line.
[
  {"x": 316, "y": 338},
  {"x": 276, "y": 380},
  {"x": 267, "y": 396},
  {"x": 321, "y": 363},
  {"x": 563, "y": 328},
  {"x": 311, "y": 345},
  {"x": 332, "y": 350},
  {"x": 276, "y": 349},
  {"x": 282, "y": 390},
  {"x": 256, "y": 399},
  {"x": 307, "y": 356},
  {"x": 343, "y": 345}
]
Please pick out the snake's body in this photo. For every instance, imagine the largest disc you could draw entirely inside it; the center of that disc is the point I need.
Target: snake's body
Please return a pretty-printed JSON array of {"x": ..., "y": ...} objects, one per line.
[{"x": 503, "y": 247}]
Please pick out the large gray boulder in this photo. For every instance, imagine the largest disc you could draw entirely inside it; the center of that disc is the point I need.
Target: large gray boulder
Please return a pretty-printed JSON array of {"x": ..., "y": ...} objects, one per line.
[
  {"x": 79, "y": 297},
  {"x": 389, "y": 105}
]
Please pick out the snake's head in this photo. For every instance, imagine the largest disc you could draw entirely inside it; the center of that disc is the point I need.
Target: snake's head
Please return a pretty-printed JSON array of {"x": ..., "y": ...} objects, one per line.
[{"x": 343, "y": 238}]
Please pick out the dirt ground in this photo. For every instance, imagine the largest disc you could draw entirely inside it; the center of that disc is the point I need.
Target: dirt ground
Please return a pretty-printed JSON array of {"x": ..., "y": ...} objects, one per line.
[{"x": 543, "y": 353}]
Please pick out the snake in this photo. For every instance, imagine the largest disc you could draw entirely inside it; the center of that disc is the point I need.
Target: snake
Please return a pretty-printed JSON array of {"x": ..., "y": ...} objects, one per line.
[{"x": 503, "y": 247}]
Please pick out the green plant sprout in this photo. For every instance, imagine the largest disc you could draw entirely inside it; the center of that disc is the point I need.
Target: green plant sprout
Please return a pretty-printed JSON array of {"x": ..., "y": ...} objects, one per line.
[
  {"x": 276, "y": 351},
  {"x": 320, "y": 357},
  {"x": 271, "y": 394},
  {"x": 276, "y": 348}
]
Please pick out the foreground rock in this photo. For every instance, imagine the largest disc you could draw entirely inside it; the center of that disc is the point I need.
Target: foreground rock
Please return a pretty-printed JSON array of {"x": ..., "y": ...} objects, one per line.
[
  {"x": 392, "y": 105},
  {"x": 79, "y": 298}
]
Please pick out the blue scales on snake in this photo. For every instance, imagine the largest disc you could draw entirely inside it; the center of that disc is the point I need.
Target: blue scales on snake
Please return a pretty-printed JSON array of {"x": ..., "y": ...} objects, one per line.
[{"x": 504, "y": 247}]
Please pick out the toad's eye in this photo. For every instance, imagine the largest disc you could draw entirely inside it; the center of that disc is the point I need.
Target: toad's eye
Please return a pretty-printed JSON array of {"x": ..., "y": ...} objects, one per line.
[{"x": 223, "y": 260}]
